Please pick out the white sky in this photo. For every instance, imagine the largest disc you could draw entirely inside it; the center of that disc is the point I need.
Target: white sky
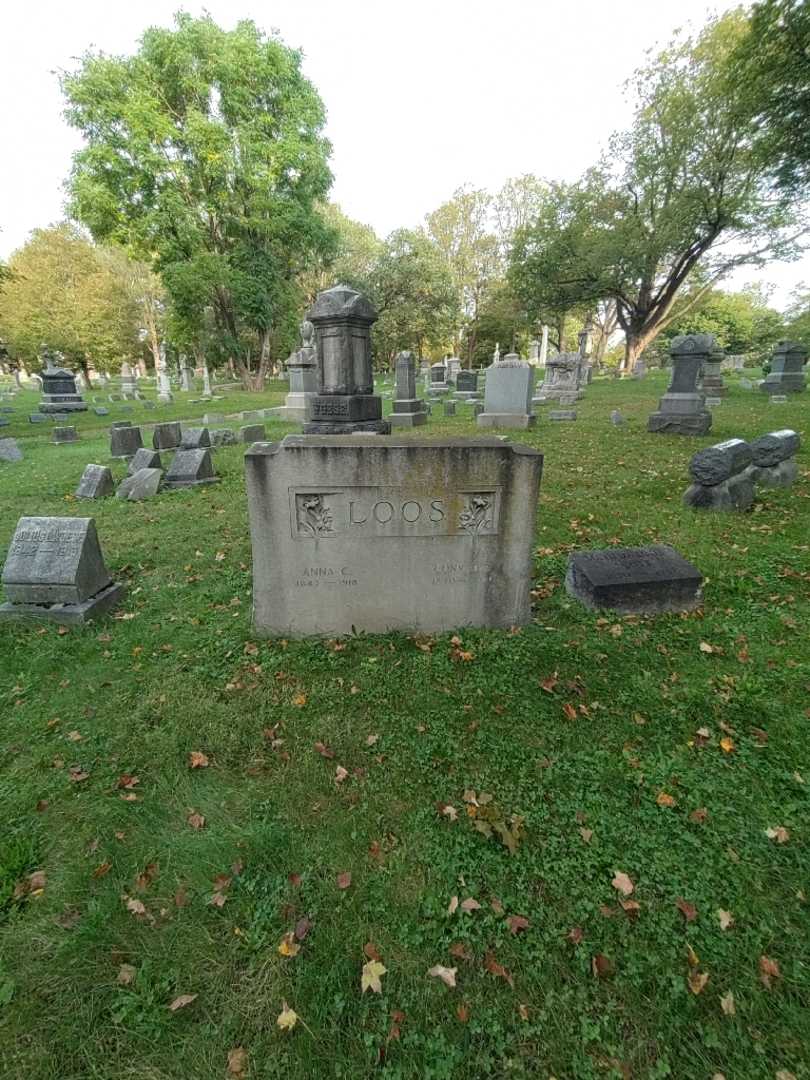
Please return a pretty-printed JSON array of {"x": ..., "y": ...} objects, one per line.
[{"x": 422, "y": 96}]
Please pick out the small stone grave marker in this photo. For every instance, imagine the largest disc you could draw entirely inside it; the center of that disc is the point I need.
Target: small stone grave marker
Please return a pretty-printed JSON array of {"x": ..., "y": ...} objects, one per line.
[
  {"x": 252, "y": 433},
  {"x": 644, "y": 580},
  {"x": 195, "y": 437},
  {"x": 9, "y": 450},
  {"x": 167, "y": 436},
  {"x": 143, "y": 484},
  {"x": 124, "y": 441},
  {"x": 64, "y": 435},
  {"x": 144, "y": 458},
  {"x": 96, "y": 482},
  {"x": 191, "y": 467}
]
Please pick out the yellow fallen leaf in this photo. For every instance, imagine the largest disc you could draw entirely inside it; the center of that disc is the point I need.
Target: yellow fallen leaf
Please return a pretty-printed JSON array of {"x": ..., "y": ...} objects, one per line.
[
  {"x": 726, "y": 919},
  {"x": 697, "y": 981},
  {"x": 779, "y": 834},
  {"x": 287, "y": 1018},
  {"x": 237, "y": 1060},
  {"x": 665, "y": 799},
  {"x": 182, "y": 1001},
  {"x": 372, "y": 973},
  {"x": 727, "y": 745},
  {"x": 622, "y": 883},
  {"x": 727, "y": 1004},
  {"x": 288, "y": 946}
]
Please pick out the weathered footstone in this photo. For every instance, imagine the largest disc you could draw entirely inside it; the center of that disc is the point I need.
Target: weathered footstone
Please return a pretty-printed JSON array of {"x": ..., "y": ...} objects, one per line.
[
  {"x": 721, "y": 481},
  {"x": 99, "y": 410},
  {"x": 124, "y": 441},
  {"x": 64, "y": 435},
  {"x": 778, "y": 399},
  {"x": 562, "y": 414},
  {"x": 644, "y": 580},
  {"x": 55, "y": 571},
  {"x": 195, "y": 437},
  {"x": 96, "y": 482},
  {"x": 773, "y": 459},
  {"x": 252, "y": 433},
  {"x": 616, "y": 418},
  {"x": 9, "y": 450},
  {"x": 384, "y": 533},
  {"x": 223, "y": 437},
  {"x": 213, "y": 418},
  {"x": 449, "y": 408},
  {"x": 144, "y": 458},
  {"x": 191, "y": 467},
  {"x": 143, "y": 484},
  {"x": 37, "y": 418},
  {"x": 167, "y": 436}
]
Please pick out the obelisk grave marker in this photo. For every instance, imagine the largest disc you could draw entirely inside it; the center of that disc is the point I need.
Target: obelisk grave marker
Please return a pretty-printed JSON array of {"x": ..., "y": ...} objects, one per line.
[{"x": 390, "y": 533}]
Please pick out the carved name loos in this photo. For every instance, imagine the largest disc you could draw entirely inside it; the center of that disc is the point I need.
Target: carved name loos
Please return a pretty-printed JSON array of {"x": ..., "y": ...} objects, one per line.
[{"x": 372, "y": 512}]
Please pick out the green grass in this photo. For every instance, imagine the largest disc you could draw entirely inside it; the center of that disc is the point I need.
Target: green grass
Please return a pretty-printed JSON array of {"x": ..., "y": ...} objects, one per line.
[{"x": 179, "y": 671}]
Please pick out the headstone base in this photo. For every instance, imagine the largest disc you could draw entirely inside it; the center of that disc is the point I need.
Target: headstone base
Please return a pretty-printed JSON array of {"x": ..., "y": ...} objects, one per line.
[
  {"x": 334, "y": 427},
  {"x": 67, "y": 614},
  {"x": 408, "y": 420},
  {"x": 679, "y": 423},
  {"x": 643, "y": 581},
  {"x": 520, "y": 421},
  {"x": 736, "y": 493},
  {"x": 781, "y": 475},
  {"x": 562, "y": 414}
]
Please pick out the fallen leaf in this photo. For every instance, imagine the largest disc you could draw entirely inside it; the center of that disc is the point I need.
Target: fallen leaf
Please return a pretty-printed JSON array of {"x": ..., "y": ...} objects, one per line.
[
  {"x": 299, "y": 700},
  {"x": 692, "y": 957},
  {"x": 570, "y": 711},
  {"x": 195, "y": 820},
  {"x": 344, "y": 880},
  {"x": 726, "y": 919},
  {"x": 632, "y": 907},
  {"x": 77, "y": 774},
  {"x": 446, "y": 974},
  {"x": 689, "y": 911},
  {"x": 197, "y": 760},
  {"x": 516, "y": 923},
  {"x": 126, "y": 974},
  {"x": 699, "y": 816},
  {"x": 460, "y": 950},
  {"x": 371, "y": 951},
  {"x": 372, "y": 974},
  {"x": 496, "y": 906},
  {"x": 126, "y": 780},
  {"x": 576, "y": 934},
  {"x": 452, "y": 907},
  {"x": 324, "y": 750},
  {"x": 664, "y": 799},
  {"x": 463, "y": 1013},
  {"x": 302, "y": 928},
  {"x": 136, "y": 907},
  {"x": 182, "y": 1001},
  {"x": 783, "y": 1074},
  {"x": 288, "y": 947},
  {"x": 705, "y": 647},
  {"x": 340, "y": 774},
  {"x": 586, "y": 834},
  {"x": 697, "y": 981},
  {"x": 601, "y": 966},
  {"x": 768, "y": 969},
  {"x": 498, "y": 970},
  {"x": 294, "y": 880},
  {"x": 287, "y": 1018},
  {"x": 622, "y": 883},
  {"x": 237, "y": 1061},
  {"x": 371, "y": 739},
  {"x": 779, "y": 834},
  {"x": 727, "y": 1004},
  {"x": 727, "y": 745},
  {"x": 469, "y": 905},
  {"x": 523, "y": 1012}
]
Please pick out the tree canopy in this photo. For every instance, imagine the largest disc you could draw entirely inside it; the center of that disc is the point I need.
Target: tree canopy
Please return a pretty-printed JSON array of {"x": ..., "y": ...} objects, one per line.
[{"x": 204, "y": 153}]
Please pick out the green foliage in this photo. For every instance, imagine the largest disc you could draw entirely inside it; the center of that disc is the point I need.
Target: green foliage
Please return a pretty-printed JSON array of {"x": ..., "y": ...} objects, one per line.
[
  {"x": 798, "y": 317},
  {"x": 769, "y": 81},
  {"x": 742, "y": 323},
  {"x": 204, "y": 152},
  {"x": 75, "y": 297},
  {"x": 681, "y": 195}
]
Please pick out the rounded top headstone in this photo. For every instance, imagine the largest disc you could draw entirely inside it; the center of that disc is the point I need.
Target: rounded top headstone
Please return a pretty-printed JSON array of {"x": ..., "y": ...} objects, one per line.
[
  {"x": 342, "y": 301},
  {"x": 693, "y": 344}
]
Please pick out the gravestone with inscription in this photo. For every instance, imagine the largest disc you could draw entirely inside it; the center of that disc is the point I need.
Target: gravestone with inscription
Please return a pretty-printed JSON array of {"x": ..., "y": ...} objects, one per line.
[
  {"x": 96, "y": 482},
  {"x": 140, "y": 485},
  {"x": 252, "y": 433},
  {"x": 682, "y": 410},
  {"x": 407, "y": 409},
  {"x": 54, "y": 570},
  {"x": 390, "y": 534},
  {"x": 167, "y": 436},
  {"x": 345, "y": 401},
  {"x": 64, "y": 434},
  {"x": 124, "y": 440},
  {"x": 466, "y": 386},
  {"x": 644, "y": 580},
  {"x": 59, "y": 394},
  {"x": 438, "y": 377},
  {"x": 144, "y": 458},
  {"x": 508, "y": 394},
  {"x": 302, "y": 370}
]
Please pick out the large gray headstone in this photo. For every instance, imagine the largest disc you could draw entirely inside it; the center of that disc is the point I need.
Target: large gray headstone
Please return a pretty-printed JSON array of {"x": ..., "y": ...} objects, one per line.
[
  {"x": 167, "y": 436},
  {"x": 143, "y": 484},
  {"x": 386, "y": 533},
  {"x": 124, "y": 441},
  {"x": 508, "y": 395},
  {"x": 144, "y": 458},
  {"x": 54, "y": 560}
]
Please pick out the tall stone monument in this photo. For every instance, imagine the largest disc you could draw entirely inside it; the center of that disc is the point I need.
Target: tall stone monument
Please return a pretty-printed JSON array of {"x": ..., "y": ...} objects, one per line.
[
  {"x": 302, "y": 369},
  {"x": 164, "y": 385},
  {"x": 345, "y": 401},
  {"x": 787, "y": 370},
  {"x": 713, "y": 384},
  {"x": 508, "y": 394},
  {"x": 562, "y": 376},
  {"x": 390, "y": 533},
  {"x": 59, "y": 394},
  {"x": 129, "y": 383},
  {"x": 407, "y": 409},
  {"x": 682, "y": 410}
]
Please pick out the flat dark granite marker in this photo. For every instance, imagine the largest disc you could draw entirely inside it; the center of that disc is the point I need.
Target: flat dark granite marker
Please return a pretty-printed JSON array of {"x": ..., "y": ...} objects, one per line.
[{"x": 643, "y": 580}]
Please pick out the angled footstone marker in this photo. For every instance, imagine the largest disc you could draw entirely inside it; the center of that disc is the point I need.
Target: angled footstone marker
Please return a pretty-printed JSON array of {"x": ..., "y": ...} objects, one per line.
[
  {"x": 96, "y": 482},
  {"x": 55, "y": 571},
  {"x": 644, "y": 580},
  {"x": 195, "y": 437},
  {"x": 124, "y": 440},
  {"x": 144, "y": 458},
  {"x": 143, "y": 484},
  {"x": 252, "y": 433},
  {"x": 191, "y": 467},
  {"x": 167, "y": 436}
]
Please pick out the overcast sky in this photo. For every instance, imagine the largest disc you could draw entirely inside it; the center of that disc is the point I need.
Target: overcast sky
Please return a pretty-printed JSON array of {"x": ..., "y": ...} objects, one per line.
[{"x": 421, "y": 96}]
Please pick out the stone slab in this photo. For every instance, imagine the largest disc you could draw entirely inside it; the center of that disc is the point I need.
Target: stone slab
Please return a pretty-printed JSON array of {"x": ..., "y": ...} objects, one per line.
[
  {"x": 252, "y": 433},
  {"x": 167, "y": 436},
  {"x": 643, "y": 580},
  {"x": 125, "y": 441},
  {"x": 774, "y": 447},
  {"x": 144, "y": 458},
  {"x": 67, "y": 614},
  {"x": 195, "y": 437},
  {"x": 54, "y": 560},
  {"x": 9, "y": 450},
  {"x": 408, "y": 419},
  {"x": 96, "y": 482},
  {"x": 140, "y": 485},
  {"x": 64, "y": 435},
  {"x": 735, "y": 493},
  {"x": 191, "y": 467},
  {"x": 562, "y": 414},
  {"x": 347, "y": 408},
  {"x": 518, "y": 421},
  {"x": 385, "y": 534},
  {"x": 781, "y": 475}
]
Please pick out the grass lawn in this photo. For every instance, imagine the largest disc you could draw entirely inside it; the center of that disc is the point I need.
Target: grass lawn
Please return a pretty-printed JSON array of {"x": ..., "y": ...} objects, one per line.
[{"x": 662, "y": 749}]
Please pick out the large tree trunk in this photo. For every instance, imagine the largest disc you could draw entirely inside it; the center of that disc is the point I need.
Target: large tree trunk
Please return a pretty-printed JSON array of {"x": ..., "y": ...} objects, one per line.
[{"x": 634, "y": 345}]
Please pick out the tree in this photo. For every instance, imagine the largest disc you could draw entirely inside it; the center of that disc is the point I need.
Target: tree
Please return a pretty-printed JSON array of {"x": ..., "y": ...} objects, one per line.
[
  {"x": 356, "y": 250},
  {"x": 797, "y": 316},
  {"x": 413, "y": 291},
  {"x": 65, "y": 292},
  {"x": 461, "y": 230},
  {"x": 502, "y": 321},
  {"x": 769, "y": 80},
  {"x": 205, "y": 155},
  {"x": 741, "y": 322},
  {"x": 682, "y": 194}
]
